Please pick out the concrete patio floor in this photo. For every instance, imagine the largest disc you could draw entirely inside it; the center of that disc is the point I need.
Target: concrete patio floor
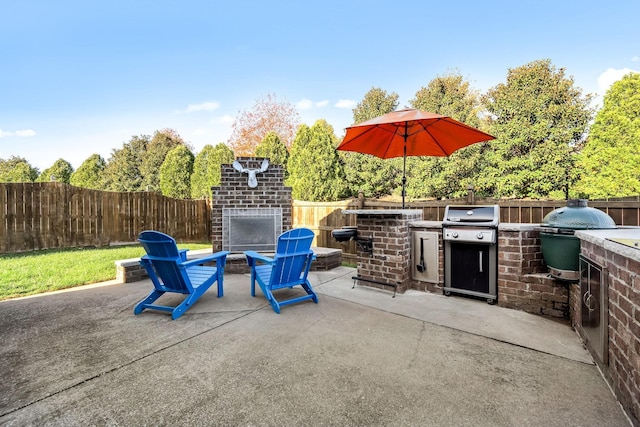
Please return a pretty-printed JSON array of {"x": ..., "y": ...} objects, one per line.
[{"x": 358, "y": 358}]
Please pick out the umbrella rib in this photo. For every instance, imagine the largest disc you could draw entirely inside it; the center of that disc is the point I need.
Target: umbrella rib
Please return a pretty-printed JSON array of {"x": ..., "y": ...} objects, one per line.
[{"x": 432, "y": 137}]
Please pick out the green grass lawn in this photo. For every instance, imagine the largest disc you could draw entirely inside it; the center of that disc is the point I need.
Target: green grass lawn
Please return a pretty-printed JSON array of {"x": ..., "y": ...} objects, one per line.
[{"x": 32, "y": 273}]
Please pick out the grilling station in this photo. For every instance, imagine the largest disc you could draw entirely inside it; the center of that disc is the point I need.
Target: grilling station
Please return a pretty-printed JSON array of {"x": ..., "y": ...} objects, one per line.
[
  {"x": 471, "y": 254},
  {"x": 470, "y": 236}
]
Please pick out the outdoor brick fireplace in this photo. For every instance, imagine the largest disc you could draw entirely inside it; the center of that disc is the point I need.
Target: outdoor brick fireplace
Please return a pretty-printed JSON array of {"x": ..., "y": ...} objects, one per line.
[{"x": 250, "y": 218}]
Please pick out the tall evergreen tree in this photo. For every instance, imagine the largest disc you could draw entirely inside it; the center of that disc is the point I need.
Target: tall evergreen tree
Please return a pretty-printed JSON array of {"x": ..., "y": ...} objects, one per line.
[
  {"x": 274, "y": 149},
  {"x": 17, "y": 169},
  {"x": 315, "y": 170},
  {"x": 122, "y": 172},
  {"x": 373, "y": 176},
  {"x": 539, "y": 118},
  {"x": 610, "y": 160},
  {"x": 153, "y": 156},
  {"x": 175, "y": 173},
  {"x": 89, "y": 174},
  {"x": 60, "y": 171},
  {"x": 206, "y": 169}
]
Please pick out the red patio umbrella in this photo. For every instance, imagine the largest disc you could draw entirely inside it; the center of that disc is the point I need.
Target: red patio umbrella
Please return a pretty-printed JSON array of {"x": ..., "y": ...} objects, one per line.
[{"x": 410, "y": 132}]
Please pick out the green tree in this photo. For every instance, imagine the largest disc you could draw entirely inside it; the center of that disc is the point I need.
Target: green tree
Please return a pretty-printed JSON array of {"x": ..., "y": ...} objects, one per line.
[
  {"x": 17, "y": 169},
  {"x": 60, "y": 171},
  {"x": 206, "y": 169},
  {"x": 610, "y": 160},
  {"x": 372, "y": 175},
  {"x": 274, "y": 149},
  {"x": 449, "y": 95},
  {"x": 153, "y": 156},
  {"x": 122, "y": 172},
  {"x": 315, "y": 170},
  {"x": 89, "y": 174},
  {"x": 539, "y": 118},
  {"x": 175, "y": 173}
]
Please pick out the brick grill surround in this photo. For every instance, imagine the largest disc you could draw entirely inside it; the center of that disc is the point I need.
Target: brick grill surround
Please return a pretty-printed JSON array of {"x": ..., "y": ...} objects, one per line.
[
  {"x": 523, "y": 280},
  {"x": 623, "y": 369},
  {"x": 389, "y": 262},
  {"x": 234, "y": 192}
]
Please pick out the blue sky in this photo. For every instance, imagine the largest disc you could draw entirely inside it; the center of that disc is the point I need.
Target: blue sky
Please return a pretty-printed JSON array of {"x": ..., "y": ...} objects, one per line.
[{"x": 83, "y": 77}]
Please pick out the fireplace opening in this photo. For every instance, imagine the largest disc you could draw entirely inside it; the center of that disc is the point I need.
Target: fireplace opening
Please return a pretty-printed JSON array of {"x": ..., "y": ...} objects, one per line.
[{"x": 254, "y": 229}]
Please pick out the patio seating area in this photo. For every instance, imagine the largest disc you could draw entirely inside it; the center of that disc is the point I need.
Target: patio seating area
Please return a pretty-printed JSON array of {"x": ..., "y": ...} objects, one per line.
[{"x": 358, "y": 357}]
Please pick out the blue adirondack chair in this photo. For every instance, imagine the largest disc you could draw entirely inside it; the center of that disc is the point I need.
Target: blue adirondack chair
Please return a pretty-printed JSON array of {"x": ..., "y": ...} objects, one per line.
[
  {"x": 170, "y": 271},
  {"x": 288, "y": 268}
]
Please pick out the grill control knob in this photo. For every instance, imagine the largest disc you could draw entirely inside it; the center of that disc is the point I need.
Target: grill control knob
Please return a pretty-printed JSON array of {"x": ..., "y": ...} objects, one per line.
[
  {"x": 454, "y": 234},
  {"x": 480, "y": 236}
]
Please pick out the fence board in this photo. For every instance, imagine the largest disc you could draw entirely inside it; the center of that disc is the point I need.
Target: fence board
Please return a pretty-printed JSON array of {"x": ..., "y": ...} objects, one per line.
[{"x": 4, "y": 228}]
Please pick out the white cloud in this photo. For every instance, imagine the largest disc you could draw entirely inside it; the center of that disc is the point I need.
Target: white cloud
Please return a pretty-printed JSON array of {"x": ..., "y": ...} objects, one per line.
[
  {"x": 345, "y": 103},
  {"x": 23, "y": 132},
  {"x": 223, "y": 119},
  {"x": 304, "y": 104},
  {"x": 307, "y": 104},
  {"x": 635, "y": 58},
  {"x": 609, "y": 77},
  {"x": 203, "y": 106}
]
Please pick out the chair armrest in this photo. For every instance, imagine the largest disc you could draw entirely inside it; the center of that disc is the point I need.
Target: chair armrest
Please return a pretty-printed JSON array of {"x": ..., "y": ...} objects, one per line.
[
  {"x": 253, "y": 257},
  {"x": 219, "y": 257}
]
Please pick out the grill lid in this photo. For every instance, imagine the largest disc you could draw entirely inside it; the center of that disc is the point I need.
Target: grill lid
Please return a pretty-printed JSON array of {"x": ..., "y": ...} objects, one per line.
[
  {"x": 578, "y": 216},
  {"x": 487, "y": 215}
]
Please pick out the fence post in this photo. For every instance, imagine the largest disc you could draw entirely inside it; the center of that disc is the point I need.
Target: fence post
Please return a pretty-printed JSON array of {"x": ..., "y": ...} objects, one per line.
[{"x": 471, "y": 197}]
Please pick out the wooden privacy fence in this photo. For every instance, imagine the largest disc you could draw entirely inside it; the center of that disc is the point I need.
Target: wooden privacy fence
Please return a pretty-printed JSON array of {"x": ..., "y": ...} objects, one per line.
[{"x": 55, "y": 215}]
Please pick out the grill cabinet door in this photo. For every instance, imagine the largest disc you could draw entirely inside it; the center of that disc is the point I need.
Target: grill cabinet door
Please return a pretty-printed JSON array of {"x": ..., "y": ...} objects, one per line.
[{"x": 470, "y": 267}]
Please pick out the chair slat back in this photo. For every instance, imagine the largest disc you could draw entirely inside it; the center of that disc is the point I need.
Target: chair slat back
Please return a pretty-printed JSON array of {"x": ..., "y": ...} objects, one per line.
[
  {"x": 295, "y": 240},
  {"x": 292, "y": 254},
  {"x": 165, "y": 257}
]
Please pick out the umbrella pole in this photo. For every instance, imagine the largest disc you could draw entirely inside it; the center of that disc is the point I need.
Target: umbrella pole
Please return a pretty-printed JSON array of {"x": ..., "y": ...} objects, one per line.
[
  {"x": 404, "y": 162},
  {"x": 404, "y": 173}
]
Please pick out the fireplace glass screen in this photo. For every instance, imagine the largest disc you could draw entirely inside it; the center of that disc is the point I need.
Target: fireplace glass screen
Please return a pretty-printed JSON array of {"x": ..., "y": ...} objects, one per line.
[{"x": 251, "y": 229}]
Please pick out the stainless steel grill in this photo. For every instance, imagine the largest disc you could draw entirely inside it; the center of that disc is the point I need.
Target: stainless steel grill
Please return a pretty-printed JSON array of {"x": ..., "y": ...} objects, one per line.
[{"x": 470, "y": 235}]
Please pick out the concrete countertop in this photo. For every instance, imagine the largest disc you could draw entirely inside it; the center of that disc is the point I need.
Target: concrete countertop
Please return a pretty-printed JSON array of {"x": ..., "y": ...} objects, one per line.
[
  {"x": 507, "y": 226},
  {"x": 602, "y": 238},
  {"x": 425, "y": 224},
  {"x": 381, "y": 212},
  {"x": 515, "y": 226}
]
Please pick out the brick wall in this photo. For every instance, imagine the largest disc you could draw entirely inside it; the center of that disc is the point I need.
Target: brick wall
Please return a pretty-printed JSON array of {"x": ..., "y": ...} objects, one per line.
[
  {"x": 391, "y": 243},
  {"x": 623, "y": 370},
  {"x": 234, "y": 192},
  {"x": 523, "y": 282}
]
